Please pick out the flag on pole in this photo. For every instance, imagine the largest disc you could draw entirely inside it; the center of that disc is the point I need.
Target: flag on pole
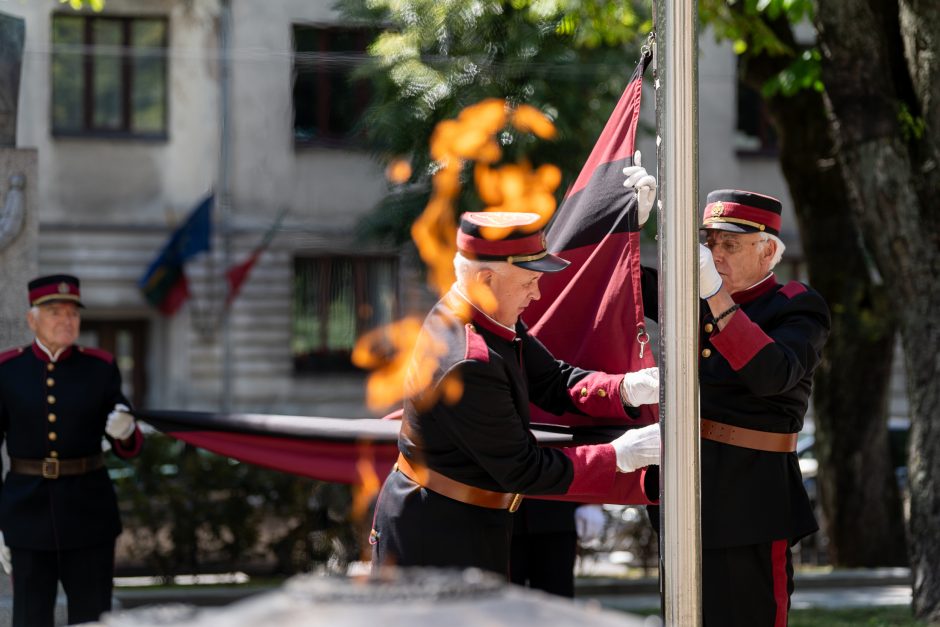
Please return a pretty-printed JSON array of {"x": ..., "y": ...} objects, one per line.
[
  {"x": 164, "y": 284},
  {"x": 591, "y": 314},
  {"x": 238, "y": 274}
]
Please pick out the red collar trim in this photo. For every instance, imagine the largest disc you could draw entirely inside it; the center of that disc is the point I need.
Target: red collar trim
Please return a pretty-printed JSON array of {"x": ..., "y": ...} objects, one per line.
[
  {"x": 757, "y": 290},
  {"x": 44, "y": 356},
  {"x": 484, "y": 321}
]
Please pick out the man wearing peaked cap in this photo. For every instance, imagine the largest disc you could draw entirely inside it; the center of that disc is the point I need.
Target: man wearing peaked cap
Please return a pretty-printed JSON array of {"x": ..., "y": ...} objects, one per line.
[
  {"x": 760, "y": 342},
  {"x": 467, "y": 457},
  {"x": 58, "y": 512}
]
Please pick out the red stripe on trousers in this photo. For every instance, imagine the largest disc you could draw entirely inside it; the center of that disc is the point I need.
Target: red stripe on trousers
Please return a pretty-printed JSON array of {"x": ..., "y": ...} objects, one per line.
[{"x": 778, "y": 557}]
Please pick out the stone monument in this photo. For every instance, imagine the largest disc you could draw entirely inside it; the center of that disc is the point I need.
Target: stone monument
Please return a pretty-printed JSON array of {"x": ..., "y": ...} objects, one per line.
[
  {"x": 19, "y": 220},
  {"x": 400, "y": 598}
]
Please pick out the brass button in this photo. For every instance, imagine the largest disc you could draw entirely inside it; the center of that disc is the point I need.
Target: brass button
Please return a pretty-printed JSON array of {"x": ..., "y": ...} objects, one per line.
[
  {"x": 52, "y": 436},
  {"x": 709, "y": 327},
  {"x": 51, "y": 417},
  {"x": 50, "y": 381},
  {"x": 707, "y": 352},
  {"x": 584, "y": 392},
  {"x": 50, "y": 399},
  {"x": 53, "y": 453},
  {"x": 602, "y": 392},
  {"x": 50, "y": 366}
]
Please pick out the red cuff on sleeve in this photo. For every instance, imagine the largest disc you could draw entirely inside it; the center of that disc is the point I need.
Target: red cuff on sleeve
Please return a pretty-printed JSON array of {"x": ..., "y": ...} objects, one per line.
[
  {"x": 598, "y": 394},
  {"x": 595, "y": 468},
  {"x": 125, "y": 450},
  {"x": 740, "y": 340}
]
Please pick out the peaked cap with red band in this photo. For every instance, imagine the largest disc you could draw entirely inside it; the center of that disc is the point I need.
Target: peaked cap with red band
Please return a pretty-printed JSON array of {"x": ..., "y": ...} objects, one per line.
[
  {"x": 506, "y": 236},
  {"x": 55, "y": 288},
  {"x": 742, "y": 212}
]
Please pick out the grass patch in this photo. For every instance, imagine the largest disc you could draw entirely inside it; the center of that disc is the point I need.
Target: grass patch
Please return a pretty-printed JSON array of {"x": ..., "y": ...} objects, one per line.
[{"x": 887, "y": 616}]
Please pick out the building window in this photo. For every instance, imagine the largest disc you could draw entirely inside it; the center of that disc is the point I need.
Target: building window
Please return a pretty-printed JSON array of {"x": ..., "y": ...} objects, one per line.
[
  {"x": 328, "y": 101},
  {"x": 109, "y": 76},
  {"x": 755, "y": 132},
  {"x": 337, "y": 299},
  {"x": 127, "y": 341}
]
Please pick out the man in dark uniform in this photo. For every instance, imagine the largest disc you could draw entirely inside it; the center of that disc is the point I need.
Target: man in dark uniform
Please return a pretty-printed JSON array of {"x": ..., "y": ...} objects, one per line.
[
  {"x": 58, "y": 510},
  {"x": 760, "y": 343},
  {"x": 467, "y": 456}
]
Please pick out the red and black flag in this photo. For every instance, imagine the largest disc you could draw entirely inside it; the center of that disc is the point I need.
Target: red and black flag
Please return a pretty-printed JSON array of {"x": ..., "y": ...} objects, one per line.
[{"x": 592, "y": 313}]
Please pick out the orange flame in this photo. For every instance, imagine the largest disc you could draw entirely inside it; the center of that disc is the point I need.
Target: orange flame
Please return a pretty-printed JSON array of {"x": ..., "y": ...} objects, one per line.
[
  {"x": 472, "y": 136},
  {"x": 398, "y": 171},
  {"x": 368, "y": 485}
]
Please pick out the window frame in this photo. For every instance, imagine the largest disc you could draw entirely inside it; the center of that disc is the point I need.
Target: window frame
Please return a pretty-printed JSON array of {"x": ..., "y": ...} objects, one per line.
[
  {"x": 88, "y": 128},
  {"x": 325, "y": 96},
  {"x": 323, "y": 360}
]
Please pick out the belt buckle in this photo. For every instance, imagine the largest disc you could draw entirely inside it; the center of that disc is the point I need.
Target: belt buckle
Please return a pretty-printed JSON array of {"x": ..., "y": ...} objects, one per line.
[
  {"x": 515, "y": 503},
  {"x": 50, "y": 468}
]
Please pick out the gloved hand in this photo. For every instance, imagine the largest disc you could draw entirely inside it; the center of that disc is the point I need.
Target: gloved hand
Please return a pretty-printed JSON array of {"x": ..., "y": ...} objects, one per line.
[
  {"x": 589, "y": 521},
  {"x": 120, "y": 424},
  {"x": 6, "y": 560},
  {"x": 638, "y": 448},
  {"x": 644, "y": 184},
  {"x": 640, "y": 387},
  {"x": 709, "y": 281}
]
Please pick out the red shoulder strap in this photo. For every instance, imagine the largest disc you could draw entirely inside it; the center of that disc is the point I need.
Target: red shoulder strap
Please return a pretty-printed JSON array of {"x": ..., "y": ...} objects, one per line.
[
  {"x": 792, "y": 289},
  {"x": 103, "y": 355},
  {"x": 9, "y": 354}
]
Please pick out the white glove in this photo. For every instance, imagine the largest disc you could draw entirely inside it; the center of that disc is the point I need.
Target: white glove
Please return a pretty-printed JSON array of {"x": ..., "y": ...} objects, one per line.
[
  {"x": 638, "y": 448},
  {"x": 589, "y": 521},
  {"x": 640, "y": 387},
  {"x": 709, "y": 281},
  {"x": 6, "y": 560},
  {"x": 120, "y": 424},
  {"x": 644, "y": 184}
]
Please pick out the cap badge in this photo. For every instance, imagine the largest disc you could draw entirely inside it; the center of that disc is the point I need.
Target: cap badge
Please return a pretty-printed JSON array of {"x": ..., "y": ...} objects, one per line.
[
  {"x": 63, "y": 288},
  {"x": 718, "y": 209}
]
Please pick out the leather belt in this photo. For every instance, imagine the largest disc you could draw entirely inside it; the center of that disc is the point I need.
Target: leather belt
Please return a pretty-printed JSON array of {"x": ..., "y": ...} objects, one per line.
[
  {"x": 53, "y": 467},
  {"x": 445, "y": 486},
  {"x": 749, "y": 438}
]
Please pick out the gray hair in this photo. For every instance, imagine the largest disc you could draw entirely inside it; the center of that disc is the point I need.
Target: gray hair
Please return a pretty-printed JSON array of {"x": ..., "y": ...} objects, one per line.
[
  {"x": 464, "y": 267},
  {"x": 778, "y": 254}
]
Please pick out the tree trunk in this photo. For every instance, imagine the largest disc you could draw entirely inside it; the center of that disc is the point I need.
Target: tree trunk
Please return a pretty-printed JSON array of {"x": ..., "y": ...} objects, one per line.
[
  {"x": 851, "y": 387},
  {"x": 891, "y": 167}
]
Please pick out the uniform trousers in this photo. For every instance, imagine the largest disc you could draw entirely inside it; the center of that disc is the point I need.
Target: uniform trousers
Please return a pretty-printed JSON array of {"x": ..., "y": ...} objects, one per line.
[
  {"x": 747, "y": 586},
  {"x": 414, "y": 526},
  {"x": 545, "y": 561},
  {"x": 87, "y": 576}
]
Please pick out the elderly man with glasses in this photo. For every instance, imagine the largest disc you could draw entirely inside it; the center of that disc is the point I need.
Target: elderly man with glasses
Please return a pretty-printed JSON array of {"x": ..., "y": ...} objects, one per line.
[{"x": 760, "y": 342}]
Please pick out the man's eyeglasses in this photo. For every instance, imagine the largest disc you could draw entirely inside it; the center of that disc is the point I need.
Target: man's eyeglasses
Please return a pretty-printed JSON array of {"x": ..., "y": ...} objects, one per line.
[{"x": 730, "y": 245}]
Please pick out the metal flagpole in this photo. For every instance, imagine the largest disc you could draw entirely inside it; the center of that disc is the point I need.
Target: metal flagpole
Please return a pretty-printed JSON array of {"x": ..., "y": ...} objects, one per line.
[
  {"x": 677, "y": 124},
  {"x": 224, "y": 198}
]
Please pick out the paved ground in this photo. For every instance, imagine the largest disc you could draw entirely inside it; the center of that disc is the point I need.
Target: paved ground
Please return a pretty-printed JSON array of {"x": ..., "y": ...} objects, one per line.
[{"x": 837, "y": 589}]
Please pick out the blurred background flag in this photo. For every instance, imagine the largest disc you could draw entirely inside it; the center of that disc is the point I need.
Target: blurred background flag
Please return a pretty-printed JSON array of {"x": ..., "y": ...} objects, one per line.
[
  {"x": 238, "y": 274},
  {"x": 592, "y": 313},
  {"x": 164, "y": 284}
]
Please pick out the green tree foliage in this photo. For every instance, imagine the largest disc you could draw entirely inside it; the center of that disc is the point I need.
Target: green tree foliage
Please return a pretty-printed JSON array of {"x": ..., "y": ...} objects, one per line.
[{"x": 569, "y": 58}]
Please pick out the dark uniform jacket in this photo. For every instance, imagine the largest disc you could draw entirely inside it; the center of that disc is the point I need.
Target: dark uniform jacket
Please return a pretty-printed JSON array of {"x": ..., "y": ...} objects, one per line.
[
  {"x": 59, "y": 408},
  {"x": 756, "y": 373},
  {"x": 467, "y": 417}
]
